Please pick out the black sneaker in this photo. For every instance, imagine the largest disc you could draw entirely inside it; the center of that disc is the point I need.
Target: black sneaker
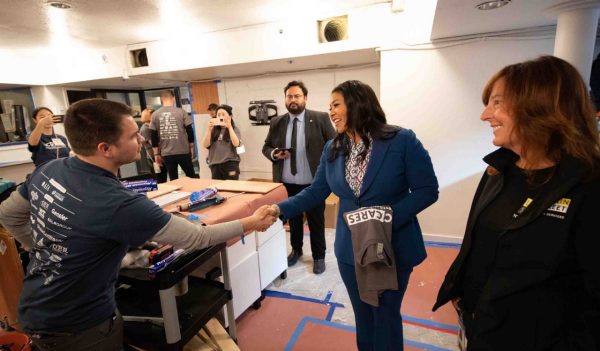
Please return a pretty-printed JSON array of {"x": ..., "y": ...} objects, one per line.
[
  {"x": 293, "y": 257},
  {"x": 319, "y": 266}
]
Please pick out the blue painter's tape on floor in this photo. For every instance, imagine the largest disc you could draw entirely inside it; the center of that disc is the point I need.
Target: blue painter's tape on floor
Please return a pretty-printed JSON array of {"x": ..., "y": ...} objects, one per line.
[
  {"x": 426, "y": 322},
  {"x": 298, "y": 331},
  {"x": 330, "y": 313},
  {"x": 328, "y": 297},
  {"x": 283, "y": 295},
  {"x": 305, "y": 320},
  {"x": 442, "y": 245},
  {"x": 424, "y": 346}
]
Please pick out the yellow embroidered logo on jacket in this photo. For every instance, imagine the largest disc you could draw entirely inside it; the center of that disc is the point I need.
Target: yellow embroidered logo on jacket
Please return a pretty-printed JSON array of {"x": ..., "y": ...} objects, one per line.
[{"x": 560, "y": 206}]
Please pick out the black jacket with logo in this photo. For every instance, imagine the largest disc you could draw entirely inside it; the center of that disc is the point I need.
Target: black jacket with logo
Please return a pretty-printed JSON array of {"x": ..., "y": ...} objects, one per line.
[{"x": 543, "y": 289}]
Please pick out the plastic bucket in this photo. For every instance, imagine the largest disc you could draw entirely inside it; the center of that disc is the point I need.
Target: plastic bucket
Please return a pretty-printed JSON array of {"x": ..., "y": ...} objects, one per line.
[{"x": 16, "y": 341}]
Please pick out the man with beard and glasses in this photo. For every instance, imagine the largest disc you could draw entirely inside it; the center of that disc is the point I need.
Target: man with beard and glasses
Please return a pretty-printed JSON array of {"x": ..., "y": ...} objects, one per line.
[{"x": 294, "y": 145}]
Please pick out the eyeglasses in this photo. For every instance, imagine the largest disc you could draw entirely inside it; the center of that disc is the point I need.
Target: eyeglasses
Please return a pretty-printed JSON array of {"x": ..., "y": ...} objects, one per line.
[{"x": 292, "y": 97}]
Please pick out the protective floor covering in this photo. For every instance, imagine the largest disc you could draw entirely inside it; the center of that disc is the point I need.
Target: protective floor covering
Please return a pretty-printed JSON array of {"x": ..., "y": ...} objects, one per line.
[
  {"x": 423, "y": 286},
  {"x": 308, "y": 312},
  {"x": 272, "y": 326}
]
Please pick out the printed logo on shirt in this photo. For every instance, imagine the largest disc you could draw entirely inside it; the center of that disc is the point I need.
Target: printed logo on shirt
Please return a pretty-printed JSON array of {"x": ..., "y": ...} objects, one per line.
[
  {"x": 560, "y": 206},
  {"x": 51, "y": 145},
  {"x": 368, "y": 214},
  {"x": 558, "y": 209}
]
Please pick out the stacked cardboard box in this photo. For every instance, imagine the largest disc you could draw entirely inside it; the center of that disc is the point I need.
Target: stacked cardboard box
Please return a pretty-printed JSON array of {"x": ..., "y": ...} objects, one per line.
[
  {"x": 332, "y": 206},
  {"x": 11, "y": 278}
]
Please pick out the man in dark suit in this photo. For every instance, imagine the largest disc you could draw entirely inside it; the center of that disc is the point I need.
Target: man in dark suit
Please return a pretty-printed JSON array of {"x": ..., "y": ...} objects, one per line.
[{"x": 294, "y": 145}]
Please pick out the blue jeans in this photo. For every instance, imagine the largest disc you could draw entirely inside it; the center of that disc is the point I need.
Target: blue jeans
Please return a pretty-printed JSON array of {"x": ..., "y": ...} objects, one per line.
[{"x": 377, "y": 328}]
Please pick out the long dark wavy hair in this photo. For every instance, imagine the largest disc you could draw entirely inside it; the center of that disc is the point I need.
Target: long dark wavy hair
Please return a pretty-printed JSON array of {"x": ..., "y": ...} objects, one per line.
[
  {"x": 214, "y": 135},
  {"x": 365, "y": 117}
]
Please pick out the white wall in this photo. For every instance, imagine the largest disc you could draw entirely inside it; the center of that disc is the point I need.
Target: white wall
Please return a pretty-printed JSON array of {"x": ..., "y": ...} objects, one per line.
[
  {"x": 239, "y": 92},
  {"x": 53, "y": 97},
  {"x": 74, "y": 61},
  {"x": 437, "y": 93}
]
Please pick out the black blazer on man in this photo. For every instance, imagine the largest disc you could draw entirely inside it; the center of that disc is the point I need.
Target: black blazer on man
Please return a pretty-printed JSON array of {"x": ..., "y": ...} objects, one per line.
[{"x": 318, "y": 130}]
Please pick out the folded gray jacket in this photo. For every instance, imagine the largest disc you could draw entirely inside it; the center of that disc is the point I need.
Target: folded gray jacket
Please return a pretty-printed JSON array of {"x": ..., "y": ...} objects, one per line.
[{"x": 374, "y": 263}]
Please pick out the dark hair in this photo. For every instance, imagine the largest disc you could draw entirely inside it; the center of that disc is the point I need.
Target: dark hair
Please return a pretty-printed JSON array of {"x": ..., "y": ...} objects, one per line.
[
  {"x": 364, "y": 117},
  {"x": 167, "y": 94},
  {"x": 90, "y": 122},
  {"x": 296, "y": 83},
  {"x": 37, "y": 110},
  {"x": 214, "y": 135},
  {"x": 227, "y": 108},
  {"x": 552, "y": 110},
  {"x": 212, "y": 107}
]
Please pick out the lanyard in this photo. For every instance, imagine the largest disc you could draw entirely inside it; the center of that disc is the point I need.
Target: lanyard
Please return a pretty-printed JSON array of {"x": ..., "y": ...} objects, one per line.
[{"x": 523, "y": 207}]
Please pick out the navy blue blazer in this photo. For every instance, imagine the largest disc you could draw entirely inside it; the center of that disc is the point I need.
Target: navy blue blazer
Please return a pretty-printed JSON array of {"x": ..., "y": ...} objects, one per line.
[{"x": 399, "y": 174}]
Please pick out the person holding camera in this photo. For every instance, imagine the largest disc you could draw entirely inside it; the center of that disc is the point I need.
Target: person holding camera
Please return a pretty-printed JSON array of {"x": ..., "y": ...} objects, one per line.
[
  {"x": 222, "y": 139},
  {"x": 43, "y": 143}
]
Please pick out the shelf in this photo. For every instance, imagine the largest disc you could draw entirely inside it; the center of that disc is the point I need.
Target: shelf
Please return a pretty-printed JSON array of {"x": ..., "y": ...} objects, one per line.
[
  {"x": 172, "y": 274},
  {"x": 202, "y": 302}
]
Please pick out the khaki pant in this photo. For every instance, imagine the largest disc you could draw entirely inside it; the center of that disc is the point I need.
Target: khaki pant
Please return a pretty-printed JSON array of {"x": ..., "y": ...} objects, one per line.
[{"x": 106, "y": 336}]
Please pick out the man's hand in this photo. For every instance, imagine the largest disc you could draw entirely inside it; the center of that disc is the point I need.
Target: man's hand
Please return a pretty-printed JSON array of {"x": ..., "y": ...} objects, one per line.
[
  {"x": 281, "y": 154},
  {"x": 264, "y": 217},
  {"x": 158, "y": 159}
]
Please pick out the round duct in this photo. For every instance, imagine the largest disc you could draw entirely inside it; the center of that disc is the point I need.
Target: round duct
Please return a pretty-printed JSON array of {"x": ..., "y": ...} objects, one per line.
[{"x": 333, "y": 29}]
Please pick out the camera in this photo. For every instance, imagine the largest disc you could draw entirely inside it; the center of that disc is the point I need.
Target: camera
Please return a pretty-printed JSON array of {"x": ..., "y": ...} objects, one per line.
[{"x": 219, "y": 121}]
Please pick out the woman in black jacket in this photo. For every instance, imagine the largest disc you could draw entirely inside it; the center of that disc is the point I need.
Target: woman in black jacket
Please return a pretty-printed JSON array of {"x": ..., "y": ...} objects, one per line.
[{"x": 527, "y": 276}]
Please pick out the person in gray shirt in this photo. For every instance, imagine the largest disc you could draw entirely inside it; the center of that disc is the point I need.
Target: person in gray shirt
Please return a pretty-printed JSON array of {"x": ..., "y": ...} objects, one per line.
[
  {"x": 172, "y": 137},
  {"x": 221, "y": 139},
  {"x": 149, "y": 155}
]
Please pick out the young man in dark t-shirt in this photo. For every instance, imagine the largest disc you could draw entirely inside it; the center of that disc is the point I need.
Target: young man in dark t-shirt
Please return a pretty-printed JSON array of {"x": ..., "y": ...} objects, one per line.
[{"x": 78, "y": 221}]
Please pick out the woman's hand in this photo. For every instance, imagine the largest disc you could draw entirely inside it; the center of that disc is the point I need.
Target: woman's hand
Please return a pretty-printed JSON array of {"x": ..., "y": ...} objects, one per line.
[
  {"x": 260, "y": 220},
  {"x": 211, "y": 123},
  {"x": 455, "y": 303},
  {"x": 45, "y": 122},
  {"x": 227, "y": 121}
]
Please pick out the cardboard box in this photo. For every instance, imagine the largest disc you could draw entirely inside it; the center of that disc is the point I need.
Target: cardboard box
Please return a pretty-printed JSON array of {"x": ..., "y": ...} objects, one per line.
[
  {"x": 11, "y": 278},
  {"x": 332, "y": 206},
  {"x": 260, "y": 180}
]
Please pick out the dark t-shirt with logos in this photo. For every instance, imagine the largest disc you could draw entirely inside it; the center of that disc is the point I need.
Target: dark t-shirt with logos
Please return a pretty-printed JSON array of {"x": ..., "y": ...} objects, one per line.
[
  {"x": 83, "y": 222},
  {"x": 47, "y": 149}
]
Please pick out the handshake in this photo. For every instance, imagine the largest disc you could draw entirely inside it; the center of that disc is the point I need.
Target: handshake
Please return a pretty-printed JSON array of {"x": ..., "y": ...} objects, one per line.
[{"x": 262, "y": 218}]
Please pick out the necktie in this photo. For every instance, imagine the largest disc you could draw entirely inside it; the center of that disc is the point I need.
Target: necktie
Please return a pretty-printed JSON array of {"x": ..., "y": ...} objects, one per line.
[{"x": 293, "y": 155}]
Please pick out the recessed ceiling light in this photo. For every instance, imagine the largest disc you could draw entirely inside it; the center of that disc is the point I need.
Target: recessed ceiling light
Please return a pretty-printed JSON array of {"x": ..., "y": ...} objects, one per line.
[
  {"x": 492, "y": 5},
  {"x": 60, "y": 5}
]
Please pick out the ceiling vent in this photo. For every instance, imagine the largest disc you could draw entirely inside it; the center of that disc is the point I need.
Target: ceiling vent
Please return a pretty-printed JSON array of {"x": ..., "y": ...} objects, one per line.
[
  {"x": 138, "y": 58},
  {"x": 333, "y": 29}
]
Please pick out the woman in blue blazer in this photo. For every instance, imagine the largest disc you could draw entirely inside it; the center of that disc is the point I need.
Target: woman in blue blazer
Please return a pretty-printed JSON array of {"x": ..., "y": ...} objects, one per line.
[{"x": 372, "y": 163}]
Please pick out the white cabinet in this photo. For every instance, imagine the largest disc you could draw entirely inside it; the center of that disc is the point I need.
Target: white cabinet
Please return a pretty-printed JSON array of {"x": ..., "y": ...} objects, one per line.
[
  {"x": 272, "y": 258},
  {"x": 254, "y": 264},
  {"x": 244, "y": 275}
]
